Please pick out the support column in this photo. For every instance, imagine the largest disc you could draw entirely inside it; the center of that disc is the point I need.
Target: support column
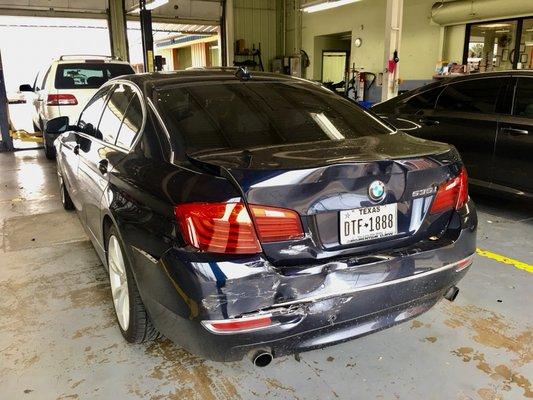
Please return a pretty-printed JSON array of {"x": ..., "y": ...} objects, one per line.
[
  {"x": 230, "y": 32},
  {"x": 393, "y": 37},
  {"x": 116, "y": 22},
  {"x": 7, "y": 142},
  {"x": 147, "y": 37}
]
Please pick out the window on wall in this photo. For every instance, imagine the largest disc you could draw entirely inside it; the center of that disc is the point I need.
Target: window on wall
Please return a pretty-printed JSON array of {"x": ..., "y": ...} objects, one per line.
[{"x": 499, "y": 45}]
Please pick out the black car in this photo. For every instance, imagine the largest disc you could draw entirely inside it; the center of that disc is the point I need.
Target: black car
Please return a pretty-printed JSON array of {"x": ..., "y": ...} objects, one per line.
[
  {"x": 488, "y": 117},
  {"x": 261, "y": 214}
]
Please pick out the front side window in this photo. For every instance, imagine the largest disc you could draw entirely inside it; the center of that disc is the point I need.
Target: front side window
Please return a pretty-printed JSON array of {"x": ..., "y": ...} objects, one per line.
[
  {"x": 240, "y": 115},
  {"x": 88, "y": 75},
  {"x": 473, "y": 96},
  {"x": 90, "y": 116},
  {"x": 114, "y": 112},
  {"x": 523, "y": 103}
]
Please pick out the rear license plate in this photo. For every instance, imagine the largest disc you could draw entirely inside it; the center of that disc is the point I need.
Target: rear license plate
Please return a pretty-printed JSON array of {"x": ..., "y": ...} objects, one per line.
[{"x": 368, "y": 223}]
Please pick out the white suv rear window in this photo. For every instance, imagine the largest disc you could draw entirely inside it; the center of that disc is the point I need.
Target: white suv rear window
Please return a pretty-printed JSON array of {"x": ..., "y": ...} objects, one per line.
[{"x": 88, "y": 76}]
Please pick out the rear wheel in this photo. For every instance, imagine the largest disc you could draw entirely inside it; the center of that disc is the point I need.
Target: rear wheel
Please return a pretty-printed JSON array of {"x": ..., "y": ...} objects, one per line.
[
  {"x": 49, "y": 151},
  {"x": 65, "y": 197},
  {"x": 36, "y": 128},
  {"x": 133, "y": 320}
]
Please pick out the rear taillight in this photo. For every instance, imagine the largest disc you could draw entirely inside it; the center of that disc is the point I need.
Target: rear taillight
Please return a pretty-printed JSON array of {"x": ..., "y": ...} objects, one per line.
[
  {"x": 276, "y": 224},
  {"x": 452, "y": 194},
  {"x": 228, "y": 228},
  {"x": 61, "y": 100},
  {"x": 218, "y": 227}
]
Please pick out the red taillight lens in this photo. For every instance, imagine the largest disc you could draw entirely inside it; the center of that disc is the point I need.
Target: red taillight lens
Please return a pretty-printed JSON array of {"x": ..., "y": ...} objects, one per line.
[
  {"x": 276, "y": 224},
  {"x": 451, "y": 194},
  {"x": 228, "y": 228},
  {"x": 218, "y": 227},
  {"x": 238, "y": 324},
  {"x": 61, "y": 100}
]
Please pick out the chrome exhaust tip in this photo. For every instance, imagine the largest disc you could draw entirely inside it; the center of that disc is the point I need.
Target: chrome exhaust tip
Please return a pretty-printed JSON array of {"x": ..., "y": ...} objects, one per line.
[
  {"x": 452, "y": 293},
  {"x": 262, "y": 358}
]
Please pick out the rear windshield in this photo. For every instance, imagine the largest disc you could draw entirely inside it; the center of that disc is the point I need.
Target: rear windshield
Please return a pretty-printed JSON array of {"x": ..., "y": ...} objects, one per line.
[
  {"x": 252, "y": 114},
  {"x": 88, "y": 76}
]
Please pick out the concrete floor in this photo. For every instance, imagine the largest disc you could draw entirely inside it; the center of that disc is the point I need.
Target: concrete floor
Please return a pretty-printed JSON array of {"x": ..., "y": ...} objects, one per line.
[{"x": 59, "y": 340}]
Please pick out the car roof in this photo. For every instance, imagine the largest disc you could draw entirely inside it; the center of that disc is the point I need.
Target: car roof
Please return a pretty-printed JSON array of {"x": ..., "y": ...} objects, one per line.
[
  {"x": 150, "y": 81},
  {"x": 460, "y": 78}
]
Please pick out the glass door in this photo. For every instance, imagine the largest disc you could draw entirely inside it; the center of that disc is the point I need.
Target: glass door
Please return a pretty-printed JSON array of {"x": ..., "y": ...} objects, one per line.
[
  {"x": 491, "y": 45},
  {"x": 525, "y": 60}
]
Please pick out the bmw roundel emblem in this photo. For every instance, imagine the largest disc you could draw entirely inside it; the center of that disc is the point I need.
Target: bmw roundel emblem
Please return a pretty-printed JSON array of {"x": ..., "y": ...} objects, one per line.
[{"x": 376, "y": 191}]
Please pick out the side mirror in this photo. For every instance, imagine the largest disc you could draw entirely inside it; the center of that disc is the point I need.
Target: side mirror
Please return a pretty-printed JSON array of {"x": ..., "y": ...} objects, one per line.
[
  {"x": 57, "y": 125},
  {"x": 25, "y": 88}
]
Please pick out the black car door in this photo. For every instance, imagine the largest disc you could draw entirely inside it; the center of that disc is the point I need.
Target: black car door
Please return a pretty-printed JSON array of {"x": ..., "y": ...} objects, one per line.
[
  {"x": 68, "y": 159},
  {"x": 465, "y": 115},
  {"x": 513, "y": 162},
  {"x": 100, "y": 154}
]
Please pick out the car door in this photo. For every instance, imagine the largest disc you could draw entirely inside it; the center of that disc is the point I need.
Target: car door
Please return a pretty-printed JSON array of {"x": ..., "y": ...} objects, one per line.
[
  {"x": 513, "y": 163},
  {"x": 100, "y": 154},
  {"x": 68, "y": 160},
  {"x": 465, "y": 116}
]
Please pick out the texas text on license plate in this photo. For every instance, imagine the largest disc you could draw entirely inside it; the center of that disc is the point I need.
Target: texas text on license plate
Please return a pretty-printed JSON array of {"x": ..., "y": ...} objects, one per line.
[{"x": 368, "y": 223}]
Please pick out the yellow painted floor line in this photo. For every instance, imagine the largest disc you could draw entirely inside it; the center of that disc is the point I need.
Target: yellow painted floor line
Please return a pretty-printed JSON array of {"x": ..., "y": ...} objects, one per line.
[{"x": 505, "y": 260}]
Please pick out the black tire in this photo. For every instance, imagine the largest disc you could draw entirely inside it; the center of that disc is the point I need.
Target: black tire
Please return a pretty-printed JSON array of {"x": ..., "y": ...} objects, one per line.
[
  {"x": 65, "y": 197},
  {"x": 49, "y": 152},
  {"x": 140, "y": 328}
]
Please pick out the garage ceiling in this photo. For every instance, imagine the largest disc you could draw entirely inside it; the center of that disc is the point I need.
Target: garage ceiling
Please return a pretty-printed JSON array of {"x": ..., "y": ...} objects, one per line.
[{"x": 207, "y": 11}]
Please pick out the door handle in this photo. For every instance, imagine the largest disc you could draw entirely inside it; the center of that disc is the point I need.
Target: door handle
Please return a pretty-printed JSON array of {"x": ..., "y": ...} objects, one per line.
[
  {"x": 76, "y": 149},
  {"x": 428, "y": 121},
  {"x": 102, "y": 166},
  {"x": 515, "y": 131}
]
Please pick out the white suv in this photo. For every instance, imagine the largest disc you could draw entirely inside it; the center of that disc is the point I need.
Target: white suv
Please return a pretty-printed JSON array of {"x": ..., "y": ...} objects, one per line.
[{"x": 66, "y": 86}]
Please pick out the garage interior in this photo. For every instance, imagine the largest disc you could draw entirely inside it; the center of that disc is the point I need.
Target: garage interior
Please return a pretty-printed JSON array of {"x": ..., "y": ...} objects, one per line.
[{"x": 58, "y": 335}]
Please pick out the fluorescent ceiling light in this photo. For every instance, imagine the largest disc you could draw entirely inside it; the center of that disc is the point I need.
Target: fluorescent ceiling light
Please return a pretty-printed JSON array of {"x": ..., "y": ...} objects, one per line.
[
  {"x": 326, "y": 5},
  {"x": 502, "y": 31},
  {"x": 490, "y": 26},
  {"x": 151, "y": 6}
]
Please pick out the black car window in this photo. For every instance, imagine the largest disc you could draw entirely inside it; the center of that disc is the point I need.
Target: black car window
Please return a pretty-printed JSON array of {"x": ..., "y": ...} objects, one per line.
[
  {"x": 523, "y": 103},
  {"x": 474, "y": 96},
  {"x": 114, "y": 112},
  {"x": 250, "y": 114},
  {"x": 88, "y": 75},
  {"x": 423, "y": 101},
  {"x": 131, "y": 124},
  {"x": 90, "y": 116}
]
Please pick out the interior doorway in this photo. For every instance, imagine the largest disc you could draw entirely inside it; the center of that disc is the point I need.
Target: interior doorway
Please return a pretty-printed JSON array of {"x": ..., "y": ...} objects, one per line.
[{"x": 331, "y": 57}]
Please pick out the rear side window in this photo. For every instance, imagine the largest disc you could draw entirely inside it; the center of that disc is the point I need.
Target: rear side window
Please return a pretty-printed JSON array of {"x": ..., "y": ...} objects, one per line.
[
  {"x": 131, "y": 124},
  {"x": 423, "y": 101},
  {"x": 88, "y": 75},
  {"x": 523, "y": 103},
  {"x": 114, "y": 112},
  {"x": 473, "y": 96},
  {"x": 249, "y": 114},
  {"x": 90, "y": 116}
]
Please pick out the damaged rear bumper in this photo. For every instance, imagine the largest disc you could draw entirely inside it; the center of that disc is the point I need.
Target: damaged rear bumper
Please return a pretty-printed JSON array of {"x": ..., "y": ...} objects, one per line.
[{"x": 309, "y": 306}]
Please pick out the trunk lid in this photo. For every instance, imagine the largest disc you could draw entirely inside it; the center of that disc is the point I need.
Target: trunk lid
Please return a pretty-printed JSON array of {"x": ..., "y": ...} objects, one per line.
[{"x": 319, "y": 181}]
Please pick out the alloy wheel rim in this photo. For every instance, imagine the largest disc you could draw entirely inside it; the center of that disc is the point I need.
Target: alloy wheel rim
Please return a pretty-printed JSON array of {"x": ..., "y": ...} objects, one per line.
[{"x": 119, "y": 282}]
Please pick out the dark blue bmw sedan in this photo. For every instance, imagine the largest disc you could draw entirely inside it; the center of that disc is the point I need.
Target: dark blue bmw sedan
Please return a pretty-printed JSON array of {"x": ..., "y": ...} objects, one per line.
[{"x": 260, "y": 214}]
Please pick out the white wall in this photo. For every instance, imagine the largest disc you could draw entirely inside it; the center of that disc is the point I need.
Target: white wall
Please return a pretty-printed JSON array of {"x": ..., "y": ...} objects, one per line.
[
  {"x": 255, "y": 22},
  {"x": 365, "y": 19},
  {"x": 421, "y": 39}
]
